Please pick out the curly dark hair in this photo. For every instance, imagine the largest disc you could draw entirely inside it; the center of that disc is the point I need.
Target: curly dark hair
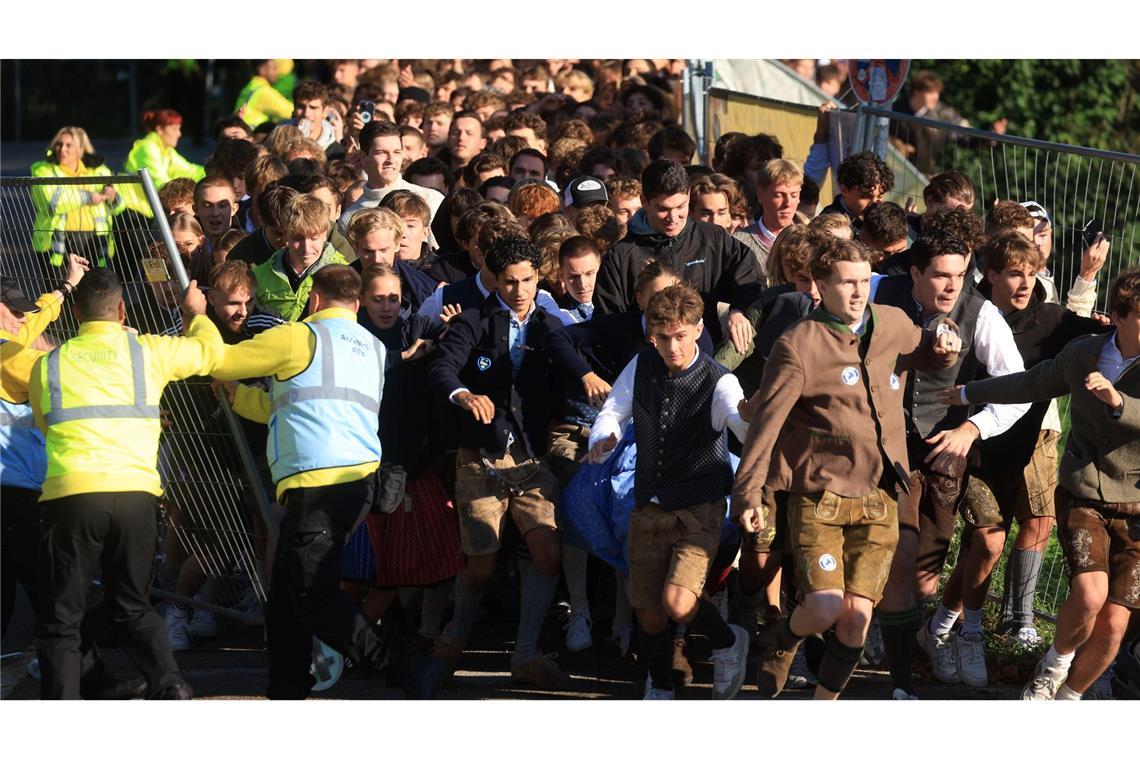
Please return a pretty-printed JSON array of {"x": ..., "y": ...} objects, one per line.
[
  {"x": 865, "y": 171},
  {"x": 510, "y": 250},
  {"x": 959, "y": 222}
]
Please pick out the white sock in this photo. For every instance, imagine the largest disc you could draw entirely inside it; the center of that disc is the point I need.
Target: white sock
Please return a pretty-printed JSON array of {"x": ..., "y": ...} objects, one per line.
[
  {"x": 971, "y": 621},
  {"x": 1054, "y": 660},
  {"x": 536, "y": 597},
  {"x": 1065, "y": 694},
  {"x": 943, "y": 621}
]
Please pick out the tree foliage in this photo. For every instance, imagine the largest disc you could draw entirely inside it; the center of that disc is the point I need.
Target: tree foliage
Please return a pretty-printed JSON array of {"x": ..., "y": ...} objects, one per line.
[{"x": 1080, "y": 102}]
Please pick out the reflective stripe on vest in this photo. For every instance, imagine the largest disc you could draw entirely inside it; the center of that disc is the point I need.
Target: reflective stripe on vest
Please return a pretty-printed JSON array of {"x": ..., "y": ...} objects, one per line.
[
  {"x": 328, "y": 390},
  {"x": 327, "y": 416},
  {"x": 138, "y": 410}
]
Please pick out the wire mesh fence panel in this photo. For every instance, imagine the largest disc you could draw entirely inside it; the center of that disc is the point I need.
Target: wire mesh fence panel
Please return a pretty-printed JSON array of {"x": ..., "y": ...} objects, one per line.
[
  {"x": 1080, "y": 188},
  {"x": 215, "y": 512}
]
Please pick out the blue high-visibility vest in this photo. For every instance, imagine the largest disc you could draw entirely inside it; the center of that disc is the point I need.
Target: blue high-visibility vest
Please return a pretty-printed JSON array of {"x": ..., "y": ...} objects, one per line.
[{"x": 327, "y": 416}]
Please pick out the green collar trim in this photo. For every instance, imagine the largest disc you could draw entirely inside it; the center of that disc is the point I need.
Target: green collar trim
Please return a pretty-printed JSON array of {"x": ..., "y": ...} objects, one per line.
[{"x": 820, "y": 314}]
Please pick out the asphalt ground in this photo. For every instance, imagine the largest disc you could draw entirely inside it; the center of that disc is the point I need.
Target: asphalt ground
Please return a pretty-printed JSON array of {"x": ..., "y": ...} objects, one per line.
[{"x": 234, "y": 665}]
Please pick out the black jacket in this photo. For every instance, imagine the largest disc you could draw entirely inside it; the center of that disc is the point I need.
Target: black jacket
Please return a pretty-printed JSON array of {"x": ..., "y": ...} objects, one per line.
[
  {"x": 603, "y": 345},
  {"x": 452, "y": 267},
  {"x": 474, "y": 354},
  {"x": 720, "y": 267},
  {"x": 1040, "y": 331},
  {"x": 837, "y": 207},
  {"x": 410, "y": 433}
]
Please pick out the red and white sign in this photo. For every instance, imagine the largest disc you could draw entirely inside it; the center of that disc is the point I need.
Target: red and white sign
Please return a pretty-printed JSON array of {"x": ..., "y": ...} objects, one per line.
[{"x": 876, "y": 81}]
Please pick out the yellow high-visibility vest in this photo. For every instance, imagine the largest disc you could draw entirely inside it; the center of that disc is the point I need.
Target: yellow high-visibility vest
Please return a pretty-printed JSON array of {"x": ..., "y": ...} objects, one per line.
[{"x": 96, "y": 398}]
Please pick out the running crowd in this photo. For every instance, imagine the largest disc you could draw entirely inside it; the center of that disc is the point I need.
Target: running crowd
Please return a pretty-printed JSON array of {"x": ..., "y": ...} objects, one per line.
[{"x": 766, "y": 412}]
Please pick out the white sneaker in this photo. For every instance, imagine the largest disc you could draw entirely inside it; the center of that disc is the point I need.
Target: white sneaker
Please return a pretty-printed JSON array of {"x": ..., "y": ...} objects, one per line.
[
  {"x": 874, "y": 650},
  {"x": 578, "y": 631},
  {"x": 1042, "y": 687},
  {"x": 622, "y": 635},
  {"x": 940, "y": 650},
  {"x": 653, "y": 694},
  {"x": 970, "y": 652},
  {"x": 800, "y": 677},
  {"x": 203, "y": 625},
  {"x": 729, "y": 665},
  {"x": 1028, "y": 638},
  {"x": 176, "y": 628},
  {"x": 901, "y": 695}
]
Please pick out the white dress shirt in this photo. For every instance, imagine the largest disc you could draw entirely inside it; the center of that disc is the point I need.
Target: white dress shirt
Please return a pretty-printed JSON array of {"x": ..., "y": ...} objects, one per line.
[
  {"x": 618, "y": 408},
  {"x": 996, "y": 350}
]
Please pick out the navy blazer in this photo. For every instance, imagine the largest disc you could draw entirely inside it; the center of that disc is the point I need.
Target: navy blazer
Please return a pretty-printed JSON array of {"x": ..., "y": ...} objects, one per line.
[{"x": 475, "y": 354}]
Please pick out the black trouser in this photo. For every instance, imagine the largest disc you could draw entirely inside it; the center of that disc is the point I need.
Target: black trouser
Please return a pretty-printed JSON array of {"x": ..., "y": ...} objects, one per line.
[
  {"x": 21, "y": 517},
  {"x": 119, "y": 529},
  {"x": 305, "y": 598}
]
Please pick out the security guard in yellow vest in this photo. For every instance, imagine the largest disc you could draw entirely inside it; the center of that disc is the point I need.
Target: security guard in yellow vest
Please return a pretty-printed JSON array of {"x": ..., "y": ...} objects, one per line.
[
  {"x": 327, "y": 379},
  {"x": 96, "y": 398}
]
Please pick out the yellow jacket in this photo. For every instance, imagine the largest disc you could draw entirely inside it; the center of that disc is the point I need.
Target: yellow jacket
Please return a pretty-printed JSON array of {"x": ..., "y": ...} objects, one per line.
[
  {"x": 68, "y": 208},
  {"x": 96, "y": 368},
  {"x": 284, "y": 351},
  {"x": 17, "y": 357},
  {"x": 162, "y": 162},
  {"x": 262, "y": 102}
]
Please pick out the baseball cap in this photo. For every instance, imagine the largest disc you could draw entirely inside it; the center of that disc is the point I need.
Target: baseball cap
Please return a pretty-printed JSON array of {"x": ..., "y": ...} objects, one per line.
[
  {"x": 1037, "y": 211},
  {"x": 15, "y": 299},
  {"x": 582, "y": 191},
  {"x": 418, "y": 94}
]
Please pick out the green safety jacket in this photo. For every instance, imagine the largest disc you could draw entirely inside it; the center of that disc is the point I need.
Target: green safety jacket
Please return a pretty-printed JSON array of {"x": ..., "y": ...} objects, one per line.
[
  {"x": 68, "y": 208},
  {"x": 276, "y": 295},
  {"x": 262, "y": 102},
  {"x": 162, "y": 162}
]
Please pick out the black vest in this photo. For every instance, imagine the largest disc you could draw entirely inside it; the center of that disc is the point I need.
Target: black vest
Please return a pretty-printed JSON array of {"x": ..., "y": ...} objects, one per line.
[
  {"x": 925, "y": 414},
  {"x": 466, "y": 293},
  {"x": 681, "y": 458}
]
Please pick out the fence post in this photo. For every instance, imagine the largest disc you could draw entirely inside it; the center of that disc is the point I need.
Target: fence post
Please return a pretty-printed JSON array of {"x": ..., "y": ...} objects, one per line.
[{"x": 232, "y": 422}]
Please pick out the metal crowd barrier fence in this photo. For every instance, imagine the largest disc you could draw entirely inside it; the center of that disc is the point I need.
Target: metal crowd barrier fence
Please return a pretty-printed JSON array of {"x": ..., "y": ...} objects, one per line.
[
  {"x": 1075, "y": 185},
  {"x": 219, "y": 528}
]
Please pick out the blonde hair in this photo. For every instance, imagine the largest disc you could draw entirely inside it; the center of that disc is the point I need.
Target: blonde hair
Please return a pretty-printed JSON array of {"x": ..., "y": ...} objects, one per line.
[
  {"x": 779, "y": 171},
  {"x": 370, "y": 220},
  {"x": 79, "y": 134},
  {"x": 576, "y": 77},
  {"x": 304, "y": 215},
  {"x": 837, "y": 225},
  {"x": 280, "y": 137},
  {"x": 181, "y": 222}
]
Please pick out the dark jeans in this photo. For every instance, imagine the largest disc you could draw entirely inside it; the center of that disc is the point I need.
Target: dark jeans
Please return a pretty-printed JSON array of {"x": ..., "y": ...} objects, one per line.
[
  {"x": 119, "y": 530},
  {"x": 305, "y": 598}
]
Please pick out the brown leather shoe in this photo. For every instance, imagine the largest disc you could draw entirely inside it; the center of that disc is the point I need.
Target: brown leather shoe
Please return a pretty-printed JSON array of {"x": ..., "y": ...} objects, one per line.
[
  {"x": 541, "y": 672},
  {"x": 775, "y": 663}
]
